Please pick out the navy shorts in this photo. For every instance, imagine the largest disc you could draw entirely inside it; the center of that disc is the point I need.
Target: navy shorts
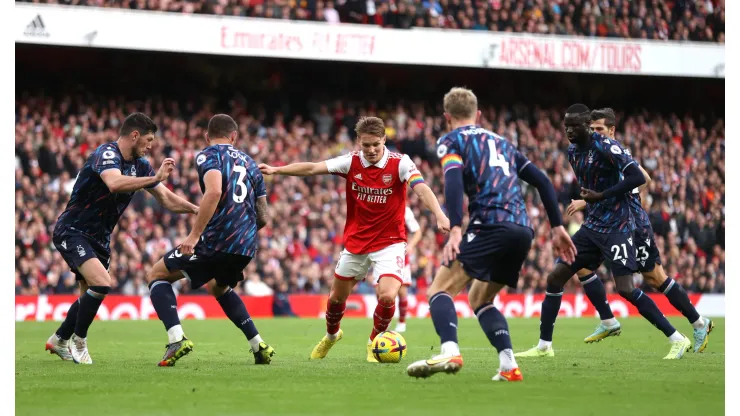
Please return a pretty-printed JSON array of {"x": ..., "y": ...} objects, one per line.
[
  {"x": 495, "y": 253},
  {"x": 616, "y": 250},
  {"x": 206, "y": 264},
  {"x": 647, "y": 252},
  {"x": 77, "y": 247}
]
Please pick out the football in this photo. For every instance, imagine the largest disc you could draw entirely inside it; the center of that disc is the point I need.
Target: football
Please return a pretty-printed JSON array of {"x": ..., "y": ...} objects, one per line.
[{"x": 389, "y": 347}]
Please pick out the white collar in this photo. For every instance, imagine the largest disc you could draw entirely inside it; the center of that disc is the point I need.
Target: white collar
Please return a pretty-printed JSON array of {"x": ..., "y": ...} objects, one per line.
[{"x": 381, "y": 163}]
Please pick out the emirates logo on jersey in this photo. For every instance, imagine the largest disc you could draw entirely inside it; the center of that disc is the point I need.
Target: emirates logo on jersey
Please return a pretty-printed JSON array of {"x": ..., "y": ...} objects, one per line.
[{"x": 387, "y": 179}]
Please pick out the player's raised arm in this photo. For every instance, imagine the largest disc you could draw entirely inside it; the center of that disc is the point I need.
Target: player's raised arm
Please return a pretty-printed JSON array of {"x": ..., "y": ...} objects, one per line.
[
  {"x": 295, "y": 169},
  {"x": 108, "y": 166},
  {"x": 208, "y": 205},
  {"x": 172, "y": 201}
]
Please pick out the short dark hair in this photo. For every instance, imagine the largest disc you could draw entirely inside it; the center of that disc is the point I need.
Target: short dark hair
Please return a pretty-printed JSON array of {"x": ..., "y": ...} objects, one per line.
[
  {"x": 610, "y": 118},
  {"x": 373, "y": 126},
  {"x": 577, "y": 109},
  {"x": 138, "y": 122},
  {"x": 221, "y": 125}
]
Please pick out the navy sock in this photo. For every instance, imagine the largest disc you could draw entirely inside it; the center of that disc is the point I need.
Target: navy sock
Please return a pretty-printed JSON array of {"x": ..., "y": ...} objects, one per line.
[
  {"x": 89, "y": 304},
  {"x": 67, "y": 328},
  {"x": 494, "y": 324},
  {"x": 234, "y": 308},
  {"x": 165, "y": 302},
  {"x": 596, "y": 293},
  {"x": 649, "y": 310},
  {"x": 444, "y": 316},
  {"x": 550, "y": 310},
  {"x": 679, "y": 299}
]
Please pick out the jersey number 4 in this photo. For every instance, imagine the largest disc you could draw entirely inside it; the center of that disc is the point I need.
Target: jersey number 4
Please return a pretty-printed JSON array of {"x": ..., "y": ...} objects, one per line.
[
  {"x": 496, "y": 159},
  {"x": 241, "y": 187}
]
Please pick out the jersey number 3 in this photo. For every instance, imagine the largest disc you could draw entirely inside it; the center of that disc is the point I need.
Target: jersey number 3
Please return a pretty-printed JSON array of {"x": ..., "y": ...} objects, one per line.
[
  {"x": 241, "y": 187},
  {"x": 496, "y": 159}
]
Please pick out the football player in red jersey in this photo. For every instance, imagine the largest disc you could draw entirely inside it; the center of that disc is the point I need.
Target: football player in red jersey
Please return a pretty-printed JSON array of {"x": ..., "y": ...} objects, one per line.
[{"x": 375, "y": 231}]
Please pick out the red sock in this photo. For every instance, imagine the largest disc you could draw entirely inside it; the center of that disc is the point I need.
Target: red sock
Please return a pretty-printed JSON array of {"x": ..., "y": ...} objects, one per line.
[
  {"x": 334, "y": 313},
  {"x": 403, "y": 306},
  {"x": 382, "y": 317}
]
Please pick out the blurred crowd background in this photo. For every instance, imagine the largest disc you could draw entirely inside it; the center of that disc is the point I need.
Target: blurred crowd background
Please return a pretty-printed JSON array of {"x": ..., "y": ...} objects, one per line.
[
  {"x": 55, "y": 132},
  {"x": 677, "y": 20}
]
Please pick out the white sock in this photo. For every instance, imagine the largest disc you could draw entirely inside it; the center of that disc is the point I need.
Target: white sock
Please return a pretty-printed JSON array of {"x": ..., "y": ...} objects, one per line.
[
  {"x": 676, "y": 336},
  {"x": 699, "y": 324},
  {"x": 255, "y": 342},
  {"x": 609, "y": 322},
  {"x": 175, "y": 334},
  {"x": 332, "y": 337},
  {"x": 506, "y": 360},
  {"x": 544, "y": 345},
  {"x": 450, "y": 348}
]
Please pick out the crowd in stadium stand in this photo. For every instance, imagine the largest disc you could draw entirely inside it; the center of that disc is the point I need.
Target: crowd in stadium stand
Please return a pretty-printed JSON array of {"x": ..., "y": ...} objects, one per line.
[
  {"x": 686, "y": 20},
  {"x": 299, "y": 246}
]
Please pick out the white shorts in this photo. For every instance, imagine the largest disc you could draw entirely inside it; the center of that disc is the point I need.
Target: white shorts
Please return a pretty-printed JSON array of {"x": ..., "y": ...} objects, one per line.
[{"x": 389, "y": 261}]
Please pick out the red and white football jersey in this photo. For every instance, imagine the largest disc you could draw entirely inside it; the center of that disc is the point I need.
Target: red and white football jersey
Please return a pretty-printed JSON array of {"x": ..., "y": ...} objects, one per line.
[{"x": 376, "y": 199}]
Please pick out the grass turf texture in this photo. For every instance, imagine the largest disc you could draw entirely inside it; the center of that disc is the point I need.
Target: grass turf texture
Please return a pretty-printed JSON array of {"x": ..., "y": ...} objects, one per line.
[{"x": 620, "y": 375}]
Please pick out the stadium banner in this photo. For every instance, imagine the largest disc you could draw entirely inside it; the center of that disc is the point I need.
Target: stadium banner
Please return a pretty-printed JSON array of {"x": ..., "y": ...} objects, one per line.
[
  {"x": 118, "y": 307},
  {"x": 237, "y": 36}
]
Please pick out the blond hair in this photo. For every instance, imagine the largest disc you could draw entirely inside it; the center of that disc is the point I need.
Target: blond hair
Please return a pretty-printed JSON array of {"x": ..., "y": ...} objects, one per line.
[
  {"x": 373, "y": 126},
  {"x": 460, "y": 103}
]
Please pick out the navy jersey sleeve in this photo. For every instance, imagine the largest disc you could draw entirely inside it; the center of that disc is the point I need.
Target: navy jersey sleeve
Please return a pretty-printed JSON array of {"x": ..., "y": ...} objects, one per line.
[
  {"x": 520, "y": 161},
  {"x": 106, "y": 157},
  {"x": 207, "y": 160},
  {"x": 613, "y": 152},
  {"x": 258, "y": 180}
]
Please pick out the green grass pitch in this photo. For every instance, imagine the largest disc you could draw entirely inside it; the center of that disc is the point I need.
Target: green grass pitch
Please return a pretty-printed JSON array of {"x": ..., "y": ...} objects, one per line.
[{"x": 621, "y": 375}]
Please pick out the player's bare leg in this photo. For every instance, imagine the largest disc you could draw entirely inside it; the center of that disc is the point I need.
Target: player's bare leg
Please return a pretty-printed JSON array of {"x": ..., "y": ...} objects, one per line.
[
  {"x": 237, "y": 312},
  {"x": 58, "y": 342},
  {"x": 165, "y": 303},
  {"x": 649, "y": 310},
  {"x": 678, "y": 297},
  {"x": 388, "y": 287},
  {"x": 403, "y": 305},
  {"x": 335, "y": 305},
  {"x": 494, "y": 325},
  {"x": 447, "y": 283},
  {"x": 98, "y": 285},
  {"x": 594, "y": 289}
]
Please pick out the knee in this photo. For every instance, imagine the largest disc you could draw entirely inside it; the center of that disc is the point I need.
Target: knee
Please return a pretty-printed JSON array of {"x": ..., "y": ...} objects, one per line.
[
  {"x": 560, "y": 276},
  {"x": 218, "y": 291},
  {"x": 154, "y": 275},
  {"x": 625, "y": 288},
  {"x": 336, "y": 297},
  {"x": 386, "y": 297}
]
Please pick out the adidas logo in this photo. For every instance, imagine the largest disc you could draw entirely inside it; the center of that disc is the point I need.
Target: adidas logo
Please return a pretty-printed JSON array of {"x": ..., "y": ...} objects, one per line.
[
  {"x": 36, "y": 28},
  {"x": 358, "y": 176}
]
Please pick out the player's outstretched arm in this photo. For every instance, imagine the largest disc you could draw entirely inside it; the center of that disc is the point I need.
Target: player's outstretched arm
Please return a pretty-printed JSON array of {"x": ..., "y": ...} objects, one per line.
[
  {"x": 295, "y": 169},
  {"x": 430, "y": 201},
  {"x": 261, "y": 210},
  {"x": 648, "y": 179},
  {"x": 172, "y": 201},
  {"x": 208, "y": 205},
  {"x": 119, "y": 183}
]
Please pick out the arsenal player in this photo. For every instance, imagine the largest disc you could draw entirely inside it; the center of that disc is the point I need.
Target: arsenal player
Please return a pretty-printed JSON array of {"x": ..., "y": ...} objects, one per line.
[{"x": 375, "y": 231}]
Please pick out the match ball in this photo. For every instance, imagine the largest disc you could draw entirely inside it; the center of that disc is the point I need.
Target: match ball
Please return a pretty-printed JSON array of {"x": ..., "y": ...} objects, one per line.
[{"x": 389, "y": 347}]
